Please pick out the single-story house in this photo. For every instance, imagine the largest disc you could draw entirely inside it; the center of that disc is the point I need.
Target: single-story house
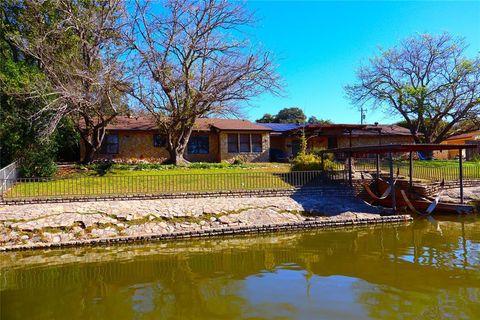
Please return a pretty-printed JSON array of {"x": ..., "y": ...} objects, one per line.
[
  {"x": 466, "y": 138},
  {"x": 285, "y": 138},
  {"x": 216, "y": 140},
  {"x": 212, "y": 140}
]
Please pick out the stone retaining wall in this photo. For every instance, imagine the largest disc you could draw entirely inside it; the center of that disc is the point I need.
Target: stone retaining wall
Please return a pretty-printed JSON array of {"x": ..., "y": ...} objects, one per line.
[{"x": 222, "y": 231}]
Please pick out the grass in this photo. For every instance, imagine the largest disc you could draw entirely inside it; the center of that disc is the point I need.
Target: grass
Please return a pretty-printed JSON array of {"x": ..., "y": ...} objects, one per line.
[
  {"x": 119, "y": 179},
  {"x": 99, "y": 180}
]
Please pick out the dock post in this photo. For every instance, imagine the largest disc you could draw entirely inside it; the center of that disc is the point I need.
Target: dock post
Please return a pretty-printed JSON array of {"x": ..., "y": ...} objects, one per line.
[
  {"x": 411, "y": 170},
  {"x": 392, "y": 184},
  {"x": 350, "y": 169},
  {"x": 460, "y": 161}
]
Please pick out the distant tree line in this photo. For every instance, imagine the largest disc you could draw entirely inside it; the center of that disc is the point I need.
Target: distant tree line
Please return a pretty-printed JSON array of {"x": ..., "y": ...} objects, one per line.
[{"x": 291, "y": 115}]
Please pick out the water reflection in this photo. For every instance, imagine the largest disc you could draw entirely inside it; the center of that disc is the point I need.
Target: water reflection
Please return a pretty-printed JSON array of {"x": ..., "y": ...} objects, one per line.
[{"x": 382, "y": 272}]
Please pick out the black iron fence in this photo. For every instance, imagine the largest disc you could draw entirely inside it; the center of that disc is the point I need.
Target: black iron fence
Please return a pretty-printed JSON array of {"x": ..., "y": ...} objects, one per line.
[
  {"x": 438, "y": 172},
  {"x": 151, "y": 185}
]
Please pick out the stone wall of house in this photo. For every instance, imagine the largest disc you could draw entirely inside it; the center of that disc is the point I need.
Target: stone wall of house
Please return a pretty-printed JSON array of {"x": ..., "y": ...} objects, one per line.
[
  {"x": 263, "y": 156},
  {"x": 213, "y": 146},
  {"x": 138, "y": 146}
]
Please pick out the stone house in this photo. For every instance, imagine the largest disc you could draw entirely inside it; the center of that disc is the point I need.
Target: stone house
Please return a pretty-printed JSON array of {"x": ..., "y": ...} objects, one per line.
[
  {"x": 131, "y": 139},
  {"x": 212, "y": 140}
]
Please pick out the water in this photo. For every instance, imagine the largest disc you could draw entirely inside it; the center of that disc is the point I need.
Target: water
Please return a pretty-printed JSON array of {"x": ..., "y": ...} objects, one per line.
[{"x": 417, "y": 270}]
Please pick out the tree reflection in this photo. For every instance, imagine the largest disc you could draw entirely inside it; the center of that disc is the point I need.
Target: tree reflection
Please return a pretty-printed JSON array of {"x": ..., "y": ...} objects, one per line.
[{"x": 408, "y": 270}]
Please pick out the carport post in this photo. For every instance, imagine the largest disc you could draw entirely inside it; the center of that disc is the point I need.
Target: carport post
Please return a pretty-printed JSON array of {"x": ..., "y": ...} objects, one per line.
[
  {"x": 392, "y": 184},
  {"x": 460, "y": 161}
]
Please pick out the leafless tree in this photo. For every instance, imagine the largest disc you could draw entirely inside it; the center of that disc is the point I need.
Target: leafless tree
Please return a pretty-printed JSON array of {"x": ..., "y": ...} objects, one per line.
[
  {"x": 193, "y": 63},
  {"x": 426, "y": 80},
  {"x": 76, "y": 44}
]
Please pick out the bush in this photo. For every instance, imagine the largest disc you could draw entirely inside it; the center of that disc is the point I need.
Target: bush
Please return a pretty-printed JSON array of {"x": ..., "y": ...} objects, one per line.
[
  {"x": 306, "y": 162},
  {"x": 38, "y": 161},
  {"x": 316, "y": 151}
]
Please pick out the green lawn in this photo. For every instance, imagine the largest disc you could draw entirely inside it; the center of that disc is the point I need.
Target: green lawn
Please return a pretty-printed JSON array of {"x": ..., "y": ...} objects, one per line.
[
  {"x": 93, "y": 181},
  {"x": 107, "y": 180}
]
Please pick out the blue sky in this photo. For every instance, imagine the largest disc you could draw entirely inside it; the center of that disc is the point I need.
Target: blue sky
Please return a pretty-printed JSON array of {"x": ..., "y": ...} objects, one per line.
[{"x": 320, "y": 44}]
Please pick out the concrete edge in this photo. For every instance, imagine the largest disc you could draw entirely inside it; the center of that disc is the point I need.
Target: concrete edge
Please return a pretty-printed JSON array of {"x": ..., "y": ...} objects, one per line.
[{"x": 217, "y": 232}]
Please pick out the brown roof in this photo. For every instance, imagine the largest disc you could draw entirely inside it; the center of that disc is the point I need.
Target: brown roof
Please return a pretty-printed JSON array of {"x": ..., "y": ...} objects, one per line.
[
  {"x": 361, "y": 129},
  {"x": 202, "y": 124},
  {"x": 468, "y": 135}
]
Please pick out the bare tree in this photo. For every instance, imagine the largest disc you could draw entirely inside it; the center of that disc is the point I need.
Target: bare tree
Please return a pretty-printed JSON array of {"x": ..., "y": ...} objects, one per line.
[
  {"x": 192, "y": 64},
  {"x": 76, "y": 45},
  {"x": 428, "y": 82}
]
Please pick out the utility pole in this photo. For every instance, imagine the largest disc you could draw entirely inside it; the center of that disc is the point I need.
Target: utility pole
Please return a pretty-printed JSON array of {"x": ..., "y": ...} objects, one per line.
[{"x": 363, "y": 115}]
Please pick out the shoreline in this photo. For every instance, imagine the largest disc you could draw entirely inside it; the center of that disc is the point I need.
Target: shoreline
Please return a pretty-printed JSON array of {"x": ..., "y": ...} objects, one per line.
[{"x": 333, "y": 223}]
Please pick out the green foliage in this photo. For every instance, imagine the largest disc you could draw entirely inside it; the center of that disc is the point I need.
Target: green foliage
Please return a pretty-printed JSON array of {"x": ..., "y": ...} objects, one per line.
[
  {"x": 315, "y": 120},
  {"x": 476, "y": 158},
  {"x": 38, "y": 160},
  {"x": 290, "y": 115},
  {"x": 310, "y": 161},
  {"x": 267, "y": 118},
  {"x": 326, "y": 156}
]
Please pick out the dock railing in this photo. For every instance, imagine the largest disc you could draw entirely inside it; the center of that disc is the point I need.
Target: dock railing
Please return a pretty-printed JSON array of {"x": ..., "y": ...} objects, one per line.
[{"x": 447, "y": 172}]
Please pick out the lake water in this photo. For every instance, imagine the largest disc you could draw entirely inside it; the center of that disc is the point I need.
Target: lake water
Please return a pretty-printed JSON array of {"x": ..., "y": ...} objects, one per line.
[{"x": 417, "y": 270}]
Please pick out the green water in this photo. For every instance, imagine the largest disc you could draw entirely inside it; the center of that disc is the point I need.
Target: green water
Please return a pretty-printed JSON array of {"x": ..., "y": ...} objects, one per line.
[{"x": 417, "y": 270}]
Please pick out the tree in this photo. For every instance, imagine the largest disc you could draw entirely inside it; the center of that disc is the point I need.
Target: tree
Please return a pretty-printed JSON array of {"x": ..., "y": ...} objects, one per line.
[
  {"x": 76, "y": 46},
  {"x": 192, "y": 63},
  {"x": 315, "y": 120},
  {"x": 290, "y": 115},
  {"x": 267, "y": 118},
  {"x": 426, "y": 80}
]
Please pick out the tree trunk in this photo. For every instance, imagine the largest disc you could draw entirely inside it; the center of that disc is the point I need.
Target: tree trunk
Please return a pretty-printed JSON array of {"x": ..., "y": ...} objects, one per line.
[
  {"x": 176, "y": 157},
  {"x": 89, "y": 153}
]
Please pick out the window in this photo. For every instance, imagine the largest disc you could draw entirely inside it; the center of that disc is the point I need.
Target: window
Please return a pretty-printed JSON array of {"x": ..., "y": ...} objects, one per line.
[
  {"x": 111, "y": 144},
  {"x": 332, "y": 142},
  {"x": 256, "y": 142},
  {"x": 233, "y": 143},
  {"x": 244, "y": 143},
  {"x": 159, "y": 140},
  {"x": 198, "y": 144}
]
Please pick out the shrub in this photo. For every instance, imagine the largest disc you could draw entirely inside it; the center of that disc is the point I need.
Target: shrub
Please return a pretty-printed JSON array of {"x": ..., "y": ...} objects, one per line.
[
  {"x": 306, "y": 162},
  {"x": 38, "y": 161},
  {"x": 316, "y": 151},
  {"x": 237, "y": 162}
]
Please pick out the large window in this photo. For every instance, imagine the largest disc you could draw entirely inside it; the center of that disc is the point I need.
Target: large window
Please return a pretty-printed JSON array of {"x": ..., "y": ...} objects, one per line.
[
  {"x": 245, "y": 143},
  {"x": 256, "y": 143},
  {"x": 198, "y": 144},
  {"x": 159, "y": 140},
  {"x": 233, "y": 143},
  {"x": 111, "y": 144}
]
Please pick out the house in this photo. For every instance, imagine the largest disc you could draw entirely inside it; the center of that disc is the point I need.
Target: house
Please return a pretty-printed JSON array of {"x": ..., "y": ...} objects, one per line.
[
  {"x": 216, "y": 140},
  {"x": 212, "y": 140},
  {"x": 466, "y": 138},
  {"x": 285, "y": 138}
]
